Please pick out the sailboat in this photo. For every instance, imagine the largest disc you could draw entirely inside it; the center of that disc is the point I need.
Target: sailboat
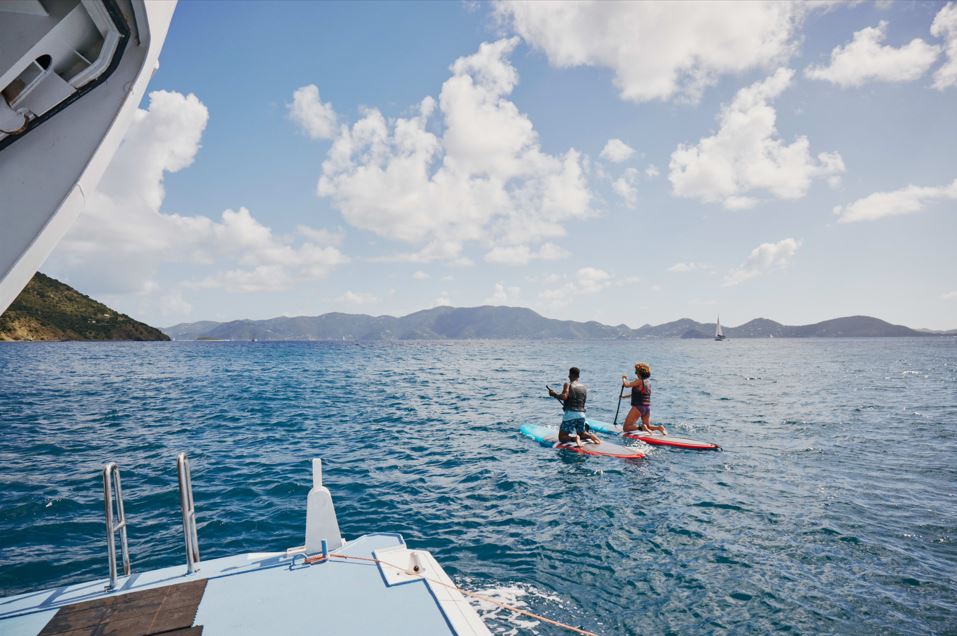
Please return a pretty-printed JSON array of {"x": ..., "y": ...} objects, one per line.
[{"x": 718, "y": 333}]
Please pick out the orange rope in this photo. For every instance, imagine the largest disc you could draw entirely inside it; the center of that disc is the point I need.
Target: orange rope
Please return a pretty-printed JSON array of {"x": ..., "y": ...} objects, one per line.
[{"x": 319, "y": 558}]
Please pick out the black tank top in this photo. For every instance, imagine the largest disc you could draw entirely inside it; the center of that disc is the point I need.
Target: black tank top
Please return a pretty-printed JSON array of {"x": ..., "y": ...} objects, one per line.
[
  {"x": 577, "y": 394},
  {"x": 639, "y": 398}
]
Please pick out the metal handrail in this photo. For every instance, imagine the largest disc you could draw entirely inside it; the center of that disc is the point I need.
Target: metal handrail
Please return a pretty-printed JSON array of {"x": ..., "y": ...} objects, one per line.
[
  {"x": 189, "y": 512},
  {"x": 111, "y": 485}
]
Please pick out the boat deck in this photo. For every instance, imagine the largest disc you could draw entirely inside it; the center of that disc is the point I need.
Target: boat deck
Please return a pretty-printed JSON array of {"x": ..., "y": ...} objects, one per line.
[{"x": 258, "y": 594}]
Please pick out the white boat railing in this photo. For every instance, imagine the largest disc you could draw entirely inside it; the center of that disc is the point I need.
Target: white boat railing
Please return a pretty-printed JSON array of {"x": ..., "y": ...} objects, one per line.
[
  {"x": 189, "y": 512},
  {"x": 111, "y": 486}
]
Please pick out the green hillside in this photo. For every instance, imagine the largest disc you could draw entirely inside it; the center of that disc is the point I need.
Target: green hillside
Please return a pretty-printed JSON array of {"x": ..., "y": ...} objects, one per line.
[{"x": 47, "y": 309}]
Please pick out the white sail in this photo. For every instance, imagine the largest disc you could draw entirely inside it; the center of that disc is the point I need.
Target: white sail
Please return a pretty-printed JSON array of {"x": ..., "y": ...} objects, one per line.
[{"x": 717, "y": 329}]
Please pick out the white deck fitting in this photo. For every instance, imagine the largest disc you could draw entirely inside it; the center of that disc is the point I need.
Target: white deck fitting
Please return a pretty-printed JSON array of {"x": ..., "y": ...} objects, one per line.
[{"x": 275, "y": 593}]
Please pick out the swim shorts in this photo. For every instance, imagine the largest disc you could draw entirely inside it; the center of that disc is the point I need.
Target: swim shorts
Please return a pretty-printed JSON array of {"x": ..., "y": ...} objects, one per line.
[{"x": 573, "y": 426}]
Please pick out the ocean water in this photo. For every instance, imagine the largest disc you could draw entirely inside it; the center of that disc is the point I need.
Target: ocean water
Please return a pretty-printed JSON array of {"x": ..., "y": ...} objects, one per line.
[{"x": 831, "y": 509}]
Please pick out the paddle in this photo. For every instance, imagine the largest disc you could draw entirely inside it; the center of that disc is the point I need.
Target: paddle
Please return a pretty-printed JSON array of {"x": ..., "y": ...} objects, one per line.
[
  {"x": 555, "y": 396},
  {"x": 621, "y": 394}
]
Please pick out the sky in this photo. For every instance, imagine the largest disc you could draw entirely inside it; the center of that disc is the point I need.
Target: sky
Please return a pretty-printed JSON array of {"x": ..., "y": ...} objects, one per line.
[{"x": 622, "y": 162}]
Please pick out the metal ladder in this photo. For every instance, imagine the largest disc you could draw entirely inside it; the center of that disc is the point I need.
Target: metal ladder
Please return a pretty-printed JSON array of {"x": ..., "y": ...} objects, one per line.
[
  {"x": 113, "y": 490},
  {"x": 189, "y": 512},
  {"x": 111, "y": 485}
]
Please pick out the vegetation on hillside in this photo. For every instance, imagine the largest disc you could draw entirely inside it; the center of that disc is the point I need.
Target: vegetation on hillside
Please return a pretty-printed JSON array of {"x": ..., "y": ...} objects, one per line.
[{"x": 47, "y": 309}]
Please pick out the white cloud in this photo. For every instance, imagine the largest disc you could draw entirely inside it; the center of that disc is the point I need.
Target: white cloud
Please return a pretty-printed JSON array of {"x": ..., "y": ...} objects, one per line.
[
  {"x": 503, "y": 295},
  {"x": 690, "y": 266},
  {"x": 747, "y": 154},
  {"x": 624, "y": 186},
  {"x": 587, "y": 280},
  {"x": 908, "y": 200},
  {"x": 865, "y": 59},
  {"x": 616, "y": 151},
  {"x": 949, "y": 296},
  {"x": 263, "y": 278},
  {"x": 123, "y": 239},
  {"x": 945, "y": 27},
  {"x": 357, "y": 298},
  {"x": 763, "y": 258},
  {"x": 321, "y": 236},
  {"x": 652, "y": 171},
  {"x": 420, "y": 275},
  {"x": 315, "y": 118},
  {"x": 442, "y": 300},
  {"x": 155, "y": 301},
  {"x": 523, "y": 254},
  {"x": 659, "y": 50},
  {"x": 483, "y": 178}
]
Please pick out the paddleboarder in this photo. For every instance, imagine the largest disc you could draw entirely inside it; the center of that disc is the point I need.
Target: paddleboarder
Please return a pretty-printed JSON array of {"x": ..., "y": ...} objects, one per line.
[
  {"x": 640, "y": 400},
  {"x": 573, "y": 397}
]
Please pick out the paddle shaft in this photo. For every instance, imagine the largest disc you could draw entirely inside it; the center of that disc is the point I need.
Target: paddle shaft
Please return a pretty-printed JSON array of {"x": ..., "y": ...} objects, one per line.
[{"x": 621, "y": 394}]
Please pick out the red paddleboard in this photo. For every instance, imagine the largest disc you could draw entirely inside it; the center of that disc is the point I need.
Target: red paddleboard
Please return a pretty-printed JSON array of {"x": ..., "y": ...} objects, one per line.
[{"x": 655, "y": 438}]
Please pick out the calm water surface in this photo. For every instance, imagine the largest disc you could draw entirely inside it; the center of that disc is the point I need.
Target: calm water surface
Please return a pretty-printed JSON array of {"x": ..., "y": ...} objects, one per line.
[{"x": 833, "y": 507}]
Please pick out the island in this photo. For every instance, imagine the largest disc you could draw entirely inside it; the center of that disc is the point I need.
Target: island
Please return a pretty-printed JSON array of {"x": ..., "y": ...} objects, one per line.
[{"x": 47, "y": 309}]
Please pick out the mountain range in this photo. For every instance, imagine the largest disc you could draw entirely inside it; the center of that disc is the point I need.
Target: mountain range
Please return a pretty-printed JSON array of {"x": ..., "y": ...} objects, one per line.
[{"x": 488, "y": 322}]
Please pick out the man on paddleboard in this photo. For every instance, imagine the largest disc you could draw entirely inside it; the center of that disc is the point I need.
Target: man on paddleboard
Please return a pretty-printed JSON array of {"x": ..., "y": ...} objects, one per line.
[{"x": 573, "y": 397}]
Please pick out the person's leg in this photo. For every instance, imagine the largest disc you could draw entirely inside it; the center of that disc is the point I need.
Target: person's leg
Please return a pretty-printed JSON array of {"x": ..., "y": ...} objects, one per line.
[
  {"x": 566, "y": 433},
  {"x": 588, "y": 435},
  {"x": 646, "y": 421},
  {"x": 630, "y": 420}
]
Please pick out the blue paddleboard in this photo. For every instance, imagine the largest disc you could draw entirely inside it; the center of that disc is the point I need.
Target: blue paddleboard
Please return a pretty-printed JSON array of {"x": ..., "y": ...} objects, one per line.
[{"x": 548, "y": 436}]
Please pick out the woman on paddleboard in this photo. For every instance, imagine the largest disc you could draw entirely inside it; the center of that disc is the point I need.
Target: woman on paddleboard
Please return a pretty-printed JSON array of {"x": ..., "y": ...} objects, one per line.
[
  {"x": 640, "y": 400},
  {"x": 573, "y": 397}
]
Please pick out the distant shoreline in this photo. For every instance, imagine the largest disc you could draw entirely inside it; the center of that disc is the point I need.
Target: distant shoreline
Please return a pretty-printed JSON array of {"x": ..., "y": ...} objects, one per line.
[{"x": 516, "y": 323}]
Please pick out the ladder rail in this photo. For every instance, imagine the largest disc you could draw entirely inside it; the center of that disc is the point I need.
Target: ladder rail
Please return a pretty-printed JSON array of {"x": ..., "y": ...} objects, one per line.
[
  {"x": 112, "y": 486},
  {"x": 188, "y": 509}
]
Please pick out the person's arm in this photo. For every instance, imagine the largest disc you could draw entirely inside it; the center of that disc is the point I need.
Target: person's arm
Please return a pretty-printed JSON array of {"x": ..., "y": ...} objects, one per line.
[
  {"x": 625, "y": 383},
  {"x": 561, "y": 396},
  {"x": 564, "y": 394}
]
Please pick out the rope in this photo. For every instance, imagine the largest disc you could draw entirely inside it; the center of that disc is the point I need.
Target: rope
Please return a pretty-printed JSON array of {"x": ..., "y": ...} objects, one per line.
[{"x": 320, "y": 558}]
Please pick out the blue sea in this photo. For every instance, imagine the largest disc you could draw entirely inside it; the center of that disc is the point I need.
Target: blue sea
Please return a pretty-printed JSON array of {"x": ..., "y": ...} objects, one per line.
[{"x": 831, "y": 509}]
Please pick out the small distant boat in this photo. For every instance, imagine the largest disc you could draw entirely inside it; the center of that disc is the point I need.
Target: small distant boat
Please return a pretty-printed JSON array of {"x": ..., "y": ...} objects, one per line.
[{"x": 718, "y": 333}]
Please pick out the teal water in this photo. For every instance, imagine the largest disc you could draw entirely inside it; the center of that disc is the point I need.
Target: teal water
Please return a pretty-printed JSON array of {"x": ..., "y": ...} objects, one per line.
[{"x": 833, "y": 507}]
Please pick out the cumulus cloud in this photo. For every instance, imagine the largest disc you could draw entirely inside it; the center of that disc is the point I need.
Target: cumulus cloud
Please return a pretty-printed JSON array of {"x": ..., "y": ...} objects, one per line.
[
  {"x": 356, "y": 298},
  {"x": 523, "y": 254},
  {"x": 690, "y": 266},
  {"x": 865, "y": 59},
  {"x": 616, "y": 151},
  {"x": 123, "y": 239},
  {"x": 949, "y": 295},
  {"x": 908, "y": 200},
  {"x": 748, "y": 155},
  {"x": 586, "y": 280},
  {"x": 483, "y": 178},
  {"x": 321, "y": 236},
  {"x": 503, "y": 294},
  {"x": 624, "y": 186},
  {"x": 659, "y": 50},
  {"x": 315, "y": 118},
  {"x": 420, "y": 275},
  {"x": 652, "y": 171},
  {"x": 764, "y": 258},
  {"x": 945, "y": 27}
]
